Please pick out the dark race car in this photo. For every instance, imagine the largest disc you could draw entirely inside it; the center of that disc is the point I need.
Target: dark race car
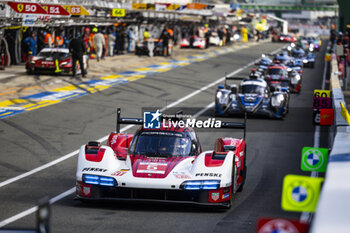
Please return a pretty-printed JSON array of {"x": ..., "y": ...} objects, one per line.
[
  {"x": 282, "y": 58},
  {"x": 307, "y": 58},
  {"x": 162, "y": 164},
  {"x": 253, "y": 97},
  {"x": 54, "y": 61},
  {"x": 264, "y": 62},
  {"x": 277, "y": 76}
]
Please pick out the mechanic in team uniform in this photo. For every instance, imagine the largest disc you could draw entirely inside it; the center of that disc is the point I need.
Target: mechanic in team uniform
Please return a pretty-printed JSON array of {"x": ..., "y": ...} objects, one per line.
[{"x": 77, "y": 49}]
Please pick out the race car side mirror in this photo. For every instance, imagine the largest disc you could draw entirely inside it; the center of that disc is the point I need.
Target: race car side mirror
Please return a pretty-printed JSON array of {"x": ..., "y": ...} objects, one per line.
[{"x": 229, "y": 148}]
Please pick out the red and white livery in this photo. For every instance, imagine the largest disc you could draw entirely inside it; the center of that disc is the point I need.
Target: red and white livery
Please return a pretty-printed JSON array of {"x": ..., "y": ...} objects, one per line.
[{"x": 162, "y": 165}]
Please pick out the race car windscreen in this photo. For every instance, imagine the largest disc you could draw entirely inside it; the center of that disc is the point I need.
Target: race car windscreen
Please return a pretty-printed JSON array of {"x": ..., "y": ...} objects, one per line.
[
  {"x": 48, "y": 54},
  {"x": 252, "y": 89},
  {"x": 282, "y": 59},
  {"x": 160, "y": 144},
  {"x": 275, "y": 72}
]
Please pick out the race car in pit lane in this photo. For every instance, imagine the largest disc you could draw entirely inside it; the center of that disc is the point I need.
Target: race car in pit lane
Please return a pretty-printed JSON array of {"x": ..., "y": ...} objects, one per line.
[
  {"x": 282, "y": 58},
  {"x": 54, "y": 61},
  {"x": 307, "y": 58},
  {"x": 264, "y": 62},
  {"x": 253, "y": 97},
  {"x": 214, "y": 39},
  {"x": 164, "y": 164},
  {"x": 286, "y": 38},
  {"x": 277, "y": 76},
  {"x": 193, "y": 42}
]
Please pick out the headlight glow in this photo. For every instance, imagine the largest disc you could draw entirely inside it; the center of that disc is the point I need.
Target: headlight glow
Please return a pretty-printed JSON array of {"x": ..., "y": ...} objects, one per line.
[
  {"x": 98, "y": 180},
  {"x": 201, "y": 184}
]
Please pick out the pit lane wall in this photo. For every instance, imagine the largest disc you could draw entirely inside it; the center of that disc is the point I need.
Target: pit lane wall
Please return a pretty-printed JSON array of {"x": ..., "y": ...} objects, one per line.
[{"x": 332, "y": 214}]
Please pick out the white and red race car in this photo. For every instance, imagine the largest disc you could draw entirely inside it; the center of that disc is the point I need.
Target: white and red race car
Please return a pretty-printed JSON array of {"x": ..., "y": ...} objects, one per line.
[
  {"x": 165, "y": 164},
  {"x": 193, "y": 42}
]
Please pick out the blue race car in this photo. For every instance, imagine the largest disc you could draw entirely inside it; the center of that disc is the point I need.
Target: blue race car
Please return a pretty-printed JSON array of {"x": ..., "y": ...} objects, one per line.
[{"x": 253, "y": 97}]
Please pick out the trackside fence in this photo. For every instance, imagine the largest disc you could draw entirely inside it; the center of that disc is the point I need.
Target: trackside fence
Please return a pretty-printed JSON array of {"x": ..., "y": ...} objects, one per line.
[{"x": 333, "y": 210}]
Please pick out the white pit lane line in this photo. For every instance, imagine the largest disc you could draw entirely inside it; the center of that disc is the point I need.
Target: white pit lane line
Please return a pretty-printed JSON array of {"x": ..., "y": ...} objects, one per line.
[{"x": 72, "y": 190}]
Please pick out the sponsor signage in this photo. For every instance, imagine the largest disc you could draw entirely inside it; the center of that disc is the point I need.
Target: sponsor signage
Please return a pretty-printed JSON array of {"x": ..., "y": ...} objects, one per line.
[
  {"x": 196, "y": 6},
  {"x": 139, "y": 6},
  {"x": 274, "y": 225},
  {"x": 118, "y": 12},
  {"x": 76, "y": 10},
  {"x": 314, "y": 159},
  {"x": 300, "y": 193},
  {"x": 55, "y": 10},
  {"x": 173, "y": 7},
  {"x": 27, "y": 8}
]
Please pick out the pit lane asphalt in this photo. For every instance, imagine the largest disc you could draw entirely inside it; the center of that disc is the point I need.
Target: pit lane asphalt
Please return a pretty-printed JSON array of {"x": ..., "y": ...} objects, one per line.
[{"x": 31, "y": 139}]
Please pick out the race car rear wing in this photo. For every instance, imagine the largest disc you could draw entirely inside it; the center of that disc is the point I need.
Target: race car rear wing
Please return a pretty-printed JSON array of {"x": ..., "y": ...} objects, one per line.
[
  {"x": 234, "y": 78},
  {"x": 139, "y": 121}
]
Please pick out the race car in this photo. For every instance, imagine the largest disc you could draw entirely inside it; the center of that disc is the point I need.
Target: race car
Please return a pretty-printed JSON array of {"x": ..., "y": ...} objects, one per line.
[
  {"x": 264, "y": 62},
  {"x": 162, "y": 164},
  {"x": 193, "y": 42},
  {"x": 286, "y": 38},
  {"x": 55, "y": 61},
  {"x": 214, "y": 39},
  {"x": 307, "y": 58},
  {"x": 282, "y": 58},
  {"x": 253, "y": 98},
  {"x": 277, "y": 76}
]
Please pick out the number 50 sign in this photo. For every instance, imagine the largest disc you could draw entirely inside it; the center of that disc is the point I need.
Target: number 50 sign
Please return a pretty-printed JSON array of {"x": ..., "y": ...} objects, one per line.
[{"x": 27, "y": 8}]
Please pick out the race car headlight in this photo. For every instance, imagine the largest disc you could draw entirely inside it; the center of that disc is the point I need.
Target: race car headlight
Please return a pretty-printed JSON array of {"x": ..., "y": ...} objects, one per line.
[
  {"x": 201, "y": 185},
  {"x": 305, "y": 61},
  {"x": 222, "y": 98},
  {"x": 98, "y": 180},
  {"x": 218, "y": 94},
  {"x": 65, "y": 63}
]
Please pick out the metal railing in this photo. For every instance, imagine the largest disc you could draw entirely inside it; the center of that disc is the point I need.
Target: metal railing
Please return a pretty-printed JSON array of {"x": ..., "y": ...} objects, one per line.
[{"x": 333, "y": 213}]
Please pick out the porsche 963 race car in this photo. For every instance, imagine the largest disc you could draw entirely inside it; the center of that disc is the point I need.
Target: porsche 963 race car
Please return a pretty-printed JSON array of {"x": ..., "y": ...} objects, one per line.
[{"x": 164, "y": 164}]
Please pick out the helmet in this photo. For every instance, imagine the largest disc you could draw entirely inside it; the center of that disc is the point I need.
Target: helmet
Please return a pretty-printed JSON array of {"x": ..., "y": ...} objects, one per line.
[
  {"x": 95, "y": 30},
  {"x": 86, "y": 30}
]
